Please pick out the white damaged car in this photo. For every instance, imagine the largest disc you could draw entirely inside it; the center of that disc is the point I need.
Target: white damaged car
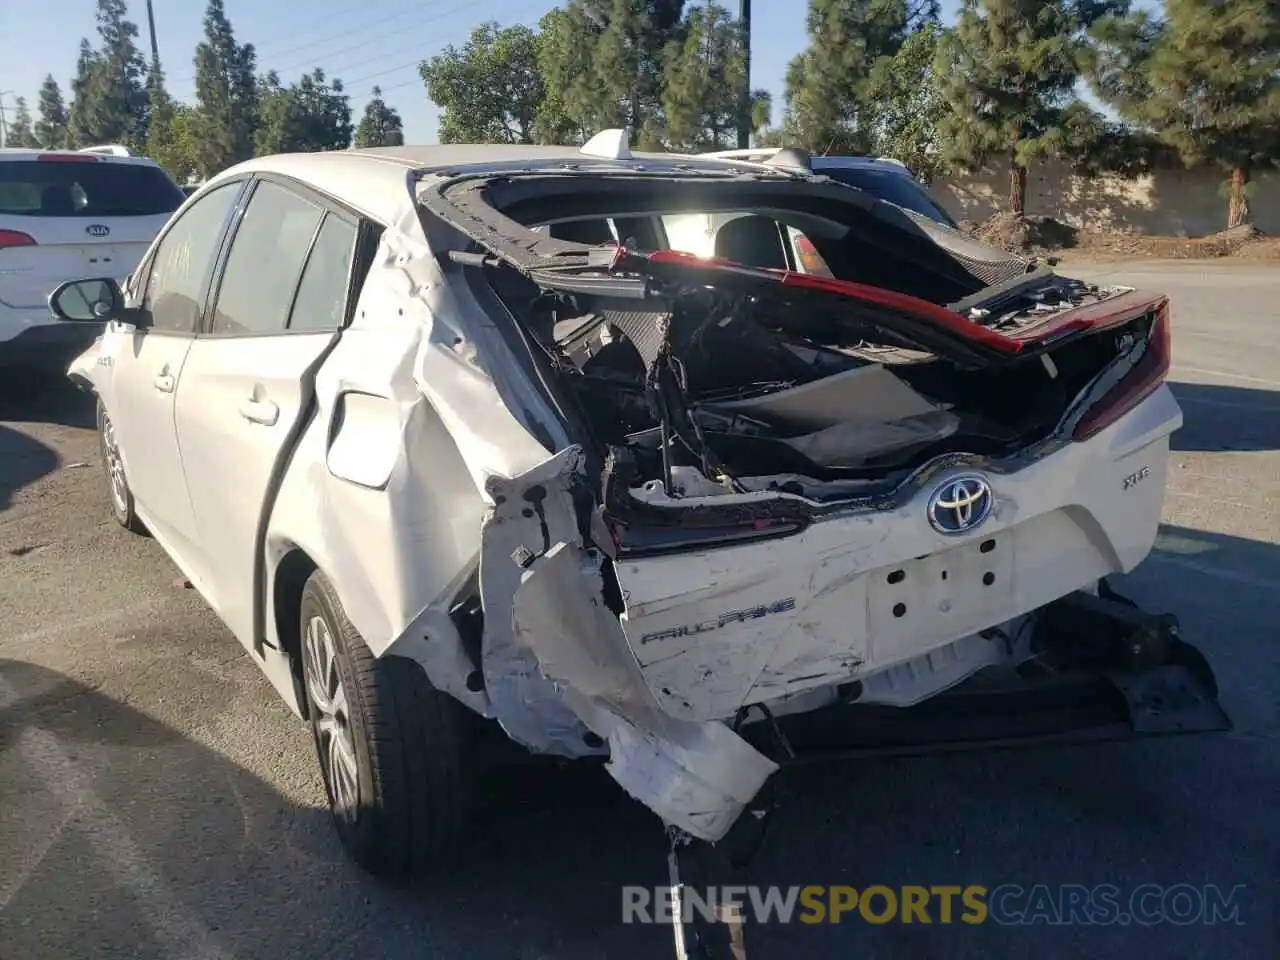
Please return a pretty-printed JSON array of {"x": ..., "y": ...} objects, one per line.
[{"x": 661, "y": 459}]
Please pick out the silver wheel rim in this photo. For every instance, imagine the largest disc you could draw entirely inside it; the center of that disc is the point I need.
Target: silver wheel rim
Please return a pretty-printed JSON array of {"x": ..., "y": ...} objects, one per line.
[
  {"x": 115, "y": 466},
  {"x": 334, "y": 738}
]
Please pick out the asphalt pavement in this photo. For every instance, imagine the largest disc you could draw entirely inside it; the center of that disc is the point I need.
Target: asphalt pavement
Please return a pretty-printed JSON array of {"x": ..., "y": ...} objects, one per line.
[{"x": 156, "y": 801}]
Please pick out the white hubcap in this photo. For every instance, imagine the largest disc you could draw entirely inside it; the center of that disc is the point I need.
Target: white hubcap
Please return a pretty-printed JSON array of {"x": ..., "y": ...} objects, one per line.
[{"x": 335, "y": 739}]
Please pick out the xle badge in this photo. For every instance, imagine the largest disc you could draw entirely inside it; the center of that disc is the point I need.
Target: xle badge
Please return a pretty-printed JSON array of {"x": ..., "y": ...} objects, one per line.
[
  {"x": 1133, "y": 479},
  {"x": 716, "y": 623}
]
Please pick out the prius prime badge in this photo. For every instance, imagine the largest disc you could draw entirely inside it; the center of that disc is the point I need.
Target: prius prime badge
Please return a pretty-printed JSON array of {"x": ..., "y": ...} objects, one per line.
[{"x": 960, "y": 504}]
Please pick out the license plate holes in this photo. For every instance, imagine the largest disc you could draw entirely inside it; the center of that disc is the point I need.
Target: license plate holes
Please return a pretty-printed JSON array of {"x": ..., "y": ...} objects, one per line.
[{"x": 943, "y": 588}]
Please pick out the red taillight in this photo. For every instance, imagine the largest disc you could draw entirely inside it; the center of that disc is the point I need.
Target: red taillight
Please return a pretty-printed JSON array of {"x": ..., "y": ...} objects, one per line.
[
  {"x": 16, "y": 238},
  {"x": 67, "y": 158},
  {"x": 1142, "y": 381}
]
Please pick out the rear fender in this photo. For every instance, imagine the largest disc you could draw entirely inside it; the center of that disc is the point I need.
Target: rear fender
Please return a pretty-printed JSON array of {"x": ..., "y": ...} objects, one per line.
[{"x": 559, "y": 667}]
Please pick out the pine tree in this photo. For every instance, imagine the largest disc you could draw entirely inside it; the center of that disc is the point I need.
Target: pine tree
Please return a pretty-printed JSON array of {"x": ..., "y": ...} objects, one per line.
[
  {"x": 828, "y": 107},
  {"x": 1008, "y": 72},
  {"x": 602, "y": 63},
  {"x": 20, "y": 133},
  {"x": 51, "y": 128},
  {"x": 1204, "y": 78},
  {"x": 226, "y": 94},
  {"x": 704, "y": 76},
  {"x": 81, "y": 106},
  {"x": 110, "y": 97},
  {"x": 380, "y": 126}
]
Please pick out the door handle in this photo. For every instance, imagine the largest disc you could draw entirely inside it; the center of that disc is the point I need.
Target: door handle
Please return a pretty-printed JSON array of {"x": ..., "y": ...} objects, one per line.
[
  {"x": 260, "y": 411},
  {"x": 164, "y": 382}
]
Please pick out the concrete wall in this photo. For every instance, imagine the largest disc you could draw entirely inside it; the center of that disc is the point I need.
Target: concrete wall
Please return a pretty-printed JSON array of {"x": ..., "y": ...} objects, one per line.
[{"x": 1167, "y": 202}]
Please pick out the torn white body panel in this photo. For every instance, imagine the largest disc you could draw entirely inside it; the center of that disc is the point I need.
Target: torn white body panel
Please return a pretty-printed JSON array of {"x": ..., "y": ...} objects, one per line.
[
  {"x": 560, "y": 667},
  {"x": 378, "y": 494},
  {"x": 859, "y": 593}
]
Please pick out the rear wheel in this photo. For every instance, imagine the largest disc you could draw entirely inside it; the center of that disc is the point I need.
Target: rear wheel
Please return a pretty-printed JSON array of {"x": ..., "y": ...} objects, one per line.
[
  {"x": 119, "y": 494},
  {"x": 392, "y": 748}
]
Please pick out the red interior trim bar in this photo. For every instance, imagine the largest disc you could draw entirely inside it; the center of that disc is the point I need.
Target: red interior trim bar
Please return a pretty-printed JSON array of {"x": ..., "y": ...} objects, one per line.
[{"x": 1096, "y": 316}]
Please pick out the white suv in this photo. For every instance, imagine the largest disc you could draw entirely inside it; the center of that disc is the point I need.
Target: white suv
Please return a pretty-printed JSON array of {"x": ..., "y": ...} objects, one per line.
[{"x": 64, "y": 214}]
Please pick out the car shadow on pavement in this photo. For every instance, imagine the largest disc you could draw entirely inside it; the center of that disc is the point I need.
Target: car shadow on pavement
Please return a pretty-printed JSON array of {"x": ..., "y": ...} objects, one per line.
[
  {"x": 23, "y": 460},
  {"x": 1218, "y": 419},
  {"x": 45, "y": 397},
  {"x": 119, "y": 833}
]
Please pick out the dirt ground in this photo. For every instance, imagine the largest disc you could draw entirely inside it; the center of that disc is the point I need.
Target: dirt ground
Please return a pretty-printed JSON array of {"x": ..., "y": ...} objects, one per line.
[{"x": 1047, "y": 236}]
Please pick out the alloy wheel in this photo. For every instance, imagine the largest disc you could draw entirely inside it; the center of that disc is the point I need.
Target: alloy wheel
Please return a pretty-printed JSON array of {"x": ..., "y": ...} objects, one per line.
[
  {"x": 115, "y": 467},
  {"x": 335, "y": 739}
]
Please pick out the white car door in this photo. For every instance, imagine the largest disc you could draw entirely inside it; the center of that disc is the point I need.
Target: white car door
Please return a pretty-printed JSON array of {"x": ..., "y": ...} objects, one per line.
[
  {"x": 147, "y": 363},
  {"x": 247, "y": 383}
]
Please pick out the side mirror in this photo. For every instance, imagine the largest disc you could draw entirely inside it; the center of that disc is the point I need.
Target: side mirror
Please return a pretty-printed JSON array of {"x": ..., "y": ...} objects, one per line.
[{"x": 87, "y": 301}]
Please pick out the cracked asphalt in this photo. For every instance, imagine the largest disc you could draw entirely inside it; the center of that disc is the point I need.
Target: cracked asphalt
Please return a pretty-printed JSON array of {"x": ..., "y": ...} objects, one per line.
[{"x": 157, "y": 802}]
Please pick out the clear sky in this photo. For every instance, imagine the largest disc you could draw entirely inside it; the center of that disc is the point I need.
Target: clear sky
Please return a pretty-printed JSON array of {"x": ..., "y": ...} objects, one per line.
[{"x": 363, "y": 42}]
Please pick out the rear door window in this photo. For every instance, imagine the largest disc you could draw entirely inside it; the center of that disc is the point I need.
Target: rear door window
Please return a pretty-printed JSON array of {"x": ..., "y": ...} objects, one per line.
[
  {"x": 265, "y": 263},
  {"x": 85, "y": 188},
  {"x": 321, "y": 303}
]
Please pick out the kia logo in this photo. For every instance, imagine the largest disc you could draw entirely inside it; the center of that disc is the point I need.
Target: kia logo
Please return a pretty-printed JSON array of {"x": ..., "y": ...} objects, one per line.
[{"x": 97, "y": 230}]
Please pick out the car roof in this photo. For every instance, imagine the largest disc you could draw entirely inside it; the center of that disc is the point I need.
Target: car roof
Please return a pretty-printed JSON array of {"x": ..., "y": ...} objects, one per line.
[
  {"x": 815, "y": 161},
  {"x": 377, "y": 180},
  {"x": 89, "y": 155}
]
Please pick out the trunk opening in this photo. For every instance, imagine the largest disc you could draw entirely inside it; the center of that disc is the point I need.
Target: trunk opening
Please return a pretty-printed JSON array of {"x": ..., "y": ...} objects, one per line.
[{"x": 720, "y": 387}]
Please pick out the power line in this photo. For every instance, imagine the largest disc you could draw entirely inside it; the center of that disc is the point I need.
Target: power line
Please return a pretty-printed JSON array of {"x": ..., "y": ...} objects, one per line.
[
  {"x": 361, "y": 12},
  {"x": 347, "y": 34},
  {"x": 366, "y": 43},
  {"x": 396, "y": 69}
]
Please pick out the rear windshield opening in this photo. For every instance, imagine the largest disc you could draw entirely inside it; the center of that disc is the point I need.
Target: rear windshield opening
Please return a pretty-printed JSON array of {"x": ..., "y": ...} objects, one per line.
[{"x": 85, "y": 189}]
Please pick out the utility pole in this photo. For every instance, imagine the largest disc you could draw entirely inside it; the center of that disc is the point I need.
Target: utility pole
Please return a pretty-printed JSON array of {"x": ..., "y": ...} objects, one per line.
[
  {"x": 744, "y": 104},
  {"x": 4, "y": 124},
  {"x": 151, "y": 26}
]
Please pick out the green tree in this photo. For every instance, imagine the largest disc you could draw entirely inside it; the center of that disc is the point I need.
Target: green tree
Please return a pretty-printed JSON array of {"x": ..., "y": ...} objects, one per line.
[
  {"x": 1204, "y": 78},
  {"x": 20, "y": 133},
  {"x": 380, "y": 126},
  {"x": 325, "y": 111},
  {"x": 490, "y": 90},
  {"x": 829, "y": 108},
  {"x": 110, "y": 95},
  {"x": 568, "y": 112},
  {"x": 704, "y": 74},
  {"x": 1008, "y": 72},
  {"x": 226, "y": 95},
  {"x": 908, "y": 107},
  {"x": 51, "y": 128},
  {"x": 80, "y": 94},
  {"x": 603, "y": 65},
  {"x": 305, "y": 117},
  {"x": 169, "y": 140}
]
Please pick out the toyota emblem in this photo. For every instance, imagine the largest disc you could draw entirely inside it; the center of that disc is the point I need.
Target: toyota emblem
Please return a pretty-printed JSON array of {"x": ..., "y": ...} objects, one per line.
[{"x": 960, "y": 504}]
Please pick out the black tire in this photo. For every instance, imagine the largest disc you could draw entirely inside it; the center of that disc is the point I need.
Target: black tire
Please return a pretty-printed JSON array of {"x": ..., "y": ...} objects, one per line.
[
  {"x": 412, "y": 802},
  {"x": 121, "y": 500}
]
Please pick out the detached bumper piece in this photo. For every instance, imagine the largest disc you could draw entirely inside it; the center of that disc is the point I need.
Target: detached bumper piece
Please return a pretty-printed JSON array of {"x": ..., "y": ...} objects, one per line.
[{"x": 1103, "y": 669}]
